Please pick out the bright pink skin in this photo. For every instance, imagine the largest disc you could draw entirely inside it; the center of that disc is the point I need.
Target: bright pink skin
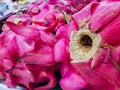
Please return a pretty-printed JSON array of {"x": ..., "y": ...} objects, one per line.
[
  {"x": 5, "y": 65},
  {"x": 16, "y": 62},
  {"x": 49, "y": 15},
  {"x": 22, "y": 48},
  {"x": 21, "y": 20},
  {"x": 23, "y": 77},
  {"x": 103, "y": 15},
  {"x": 100, "y": 15},
  {"x": 110, "y": 0},
  {"x": 106, "y": 24},
  {"x": 26, "y": 31},
  {"x": 116, "y": 55},
  {"x": 20, "y": 45},
  {"x": 102, "y": 72},
  {"x": 4, "y": 52},
  {"x": 62, "y": 56},
  {"x": 31, "y": 79},
  {"x": 110, "y": 68},
  {"x": 45, "y": 15},
  {"x": 15, "y": 44},
  {"x": 84, "y": 15},
  {"x": 30, "y": 43},
  {"x": 71, "y": 80},
  {"x": 48, "y": 38},
  {"x": 93, "y": 77},
  {"x": 71, "y": 6},
  {"x": 49, "y": 78},
  {"x": 112, "y": 74},
  {"x": 65, "y": 30},
  {"x": 9, "y": 81},
  {"x": 101, "y": 56},
  {"x": 44, "y": 76},
  {"x": 111, "y": 30},
  {"x": 44, "y": 54},
  {"x": 32, "y": 53},
  {"x": 31, "y": 32},
  {"x": 12, "y": 48}
]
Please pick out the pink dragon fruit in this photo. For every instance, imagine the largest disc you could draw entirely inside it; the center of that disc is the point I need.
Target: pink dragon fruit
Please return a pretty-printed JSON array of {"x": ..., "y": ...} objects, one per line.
[
  {"x": 71, "y": 79},
  {"x": 27, "y": 50},
  {"x": 48, "y": 37},
  {"x": 18, "y": 52},
  {"x": 21, "y": 20},
  {"x": 94, "y": 47},
  {"x": 45, "y": 16},
  {"x": 22, "y": 47},
  {"x": 71, "y": 6}
]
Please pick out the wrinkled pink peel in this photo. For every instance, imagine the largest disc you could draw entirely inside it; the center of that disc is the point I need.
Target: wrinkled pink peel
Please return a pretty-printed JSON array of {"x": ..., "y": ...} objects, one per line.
[
  {"x": 103, "y": 15},
  {"x": 101, "y": 56}
]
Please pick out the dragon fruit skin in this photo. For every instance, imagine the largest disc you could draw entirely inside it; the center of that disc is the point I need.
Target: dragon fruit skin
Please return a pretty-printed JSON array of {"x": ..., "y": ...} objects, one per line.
[
  {"x": 103, "y": 65},
  {"x": 97, "y": 23},
  {"x": 96, "y": 80},
  {"x": 45, "y": 16},
  {"x": 22, "y": 48},
  {"x": 44, "y": 76},
  {"x": 65, "y": 31},
  {"x": 61, "y": 44},
  {"x": 32, "y": 50},
  {"x": 70, "y": 78},
  {"x": 71, "y": 6},
  {"x": 50, "y": 80},
  {"x": 21, "y": 20},
  {"x": 50, "y": 15},
  {"x": 115, "y": 55},
  {"x": 30, "y": 45},
  {"x": 103, "y": 32},
  {"x": 9, "y": 58},
  {"x": 39, "y": 44}
]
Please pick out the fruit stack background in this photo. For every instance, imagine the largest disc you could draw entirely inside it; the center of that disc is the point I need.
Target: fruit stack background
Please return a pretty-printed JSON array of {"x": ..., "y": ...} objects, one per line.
[{"x": 40, "y": 48}]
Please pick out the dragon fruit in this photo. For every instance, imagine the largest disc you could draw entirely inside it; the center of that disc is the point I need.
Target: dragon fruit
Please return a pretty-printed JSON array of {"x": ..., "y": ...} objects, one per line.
[
  {"x": 27, "y": 49},
  {"x": 72, "y": 35},
  {"x": 21, "y": 20},
  {"x": 93, "y": 47},
  {"x": 27, "y": 54}
]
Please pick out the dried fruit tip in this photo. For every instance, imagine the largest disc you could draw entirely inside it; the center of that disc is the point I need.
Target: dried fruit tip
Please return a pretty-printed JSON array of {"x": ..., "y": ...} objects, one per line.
[{"x": 83, "y": 45}]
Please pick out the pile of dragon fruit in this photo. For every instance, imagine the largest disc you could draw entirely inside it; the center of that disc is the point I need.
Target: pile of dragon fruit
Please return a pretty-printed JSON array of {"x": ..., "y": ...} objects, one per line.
[{"x": 73, "y": 43}]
